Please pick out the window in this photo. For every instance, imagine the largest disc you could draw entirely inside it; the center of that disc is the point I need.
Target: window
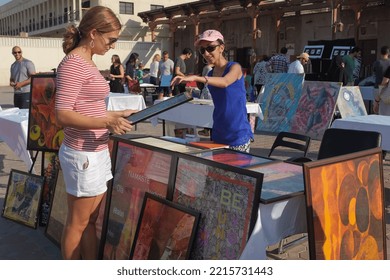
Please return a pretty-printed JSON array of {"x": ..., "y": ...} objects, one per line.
[
  {"x": 156, "y": 7},
  {"x": 126, "y": 8}
]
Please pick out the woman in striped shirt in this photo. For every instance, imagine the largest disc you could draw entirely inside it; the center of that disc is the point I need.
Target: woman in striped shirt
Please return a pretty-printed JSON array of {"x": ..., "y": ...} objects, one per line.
[{"x": 81, "y": 110}]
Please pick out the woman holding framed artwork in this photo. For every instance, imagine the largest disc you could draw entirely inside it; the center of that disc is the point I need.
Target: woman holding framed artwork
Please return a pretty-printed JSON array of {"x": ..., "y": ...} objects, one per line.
[{"x": 81, "y": 110}]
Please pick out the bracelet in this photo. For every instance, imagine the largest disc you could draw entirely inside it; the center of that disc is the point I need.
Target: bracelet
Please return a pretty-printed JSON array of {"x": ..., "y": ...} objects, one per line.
[
  {"x": 206, "y": 79},
  {"x": 377, "y": 101}
]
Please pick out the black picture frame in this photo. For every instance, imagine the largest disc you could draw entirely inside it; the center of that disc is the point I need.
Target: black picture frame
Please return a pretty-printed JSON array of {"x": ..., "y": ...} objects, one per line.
[
  {"x": 22, "y": 199},
  {"x": 164, "y": 225},
  {"x": 227, "y": 198}
]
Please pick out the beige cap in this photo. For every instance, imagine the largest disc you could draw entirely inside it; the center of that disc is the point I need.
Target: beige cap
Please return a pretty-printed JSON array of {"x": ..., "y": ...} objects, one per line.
[{"x": 304, "y": 56}]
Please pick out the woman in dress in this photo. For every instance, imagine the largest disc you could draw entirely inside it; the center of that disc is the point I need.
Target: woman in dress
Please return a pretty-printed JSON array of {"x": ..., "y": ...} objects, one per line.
[{"x": 117, "y": 73}]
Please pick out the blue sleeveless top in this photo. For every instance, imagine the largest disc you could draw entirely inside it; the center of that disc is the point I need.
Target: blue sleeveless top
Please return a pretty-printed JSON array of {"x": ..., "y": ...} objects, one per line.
[{"x": 231, "y": 125}]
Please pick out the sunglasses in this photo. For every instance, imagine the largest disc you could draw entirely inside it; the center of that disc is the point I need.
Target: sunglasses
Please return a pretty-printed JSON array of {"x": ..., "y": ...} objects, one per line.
[
  {"x": 209, "y": 49},
  {"x": 16, "y": 52},
  {"x": 111, "y": 41}
]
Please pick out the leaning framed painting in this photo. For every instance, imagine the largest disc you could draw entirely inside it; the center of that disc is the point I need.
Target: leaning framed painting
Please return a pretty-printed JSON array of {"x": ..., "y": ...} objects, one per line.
[
  {"x": 44, "y": 134},
  {"x": 345, "y": 207},
  {"x": 165, "y": 231},
  {"x": 21, "y": 203},
  {"x": 227, "y": 198}
]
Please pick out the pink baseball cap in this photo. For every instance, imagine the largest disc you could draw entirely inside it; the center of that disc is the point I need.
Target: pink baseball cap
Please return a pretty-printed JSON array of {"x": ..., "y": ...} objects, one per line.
[{"x": 210, "y": 35}]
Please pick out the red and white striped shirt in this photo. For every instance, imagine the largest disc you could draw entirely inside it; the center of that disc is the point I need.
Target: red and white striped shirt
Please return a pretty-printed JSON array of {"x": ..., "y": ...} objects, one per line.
[{"x": 81, "y": 88}]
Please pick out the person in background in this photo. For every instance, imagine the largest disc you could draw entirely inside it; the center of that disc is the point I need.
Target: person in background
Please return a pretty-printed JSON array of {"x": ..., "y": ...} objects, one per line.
[
  {"x": 379, "y": 107},
  {"x": 380, "y": 66},
  {"x": 139, "y": 73},
  {"x": 20, "y": 78},
  {"x": 154, "y": 69},
  {"x": 117, "y": 73},
  {"x": 296, "y": 67},
  {"x": 226, "y": 84},
  {"x": 131, "y": 67},
  {"x": 349, "y": 62},
  {"x": 205, "y": 94},
  {"x": 80, "y": 108},
  {"x": 278, "y": 63},
  {"x": 260, "y": 73},
  {"x": 336, "y": 71},
  {"x": 180, "y": 68},
  {"x": 165, "y": 69}
]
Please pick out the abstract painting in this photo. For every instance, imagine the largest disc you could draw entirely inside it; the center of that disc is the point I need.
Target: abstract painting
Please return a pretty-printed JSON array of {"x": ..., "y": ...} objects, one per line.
[
  {"x": 280, "y": 101},
  {"x": 350, "y": 102},
  {"x": 227, "y": 198},
  {"x": 166, "y": 230},
  {"x": 345, "y": 207},
  {"x": 21, "y": 203},
  {"x": 44, "y": 134},
  {"x": 316, "y": 108},
  {"x": 137, "y": 171}
]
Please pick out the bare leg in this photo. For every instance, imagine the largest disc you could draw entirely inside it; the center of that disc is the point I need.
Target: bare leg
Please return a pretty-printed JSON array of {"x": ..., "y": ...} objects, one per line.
[{"x": 80, "y": 210}]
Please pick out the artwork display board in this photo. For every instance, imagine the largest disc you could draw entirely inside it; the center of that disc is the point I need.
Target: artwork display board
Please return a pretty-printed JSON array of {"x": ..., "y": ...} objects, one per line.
[
  {"x": 137, "y": 169},
  {"x": 227, "y": 198},
  {"x": 44, "y": 134},
  {"x": 281, "y": 96},
  {"x": 350, "y": 102},
  {"x": 281, "y": 180},
  {"x": 234, "y": 158},
  {"x": 50, "y": 169},
  {"x": 316, "y": 108},
  {"x": 21, "y": 203},
  {"x": 345, "y": 207},
  {"x": 165, "y": 231}
]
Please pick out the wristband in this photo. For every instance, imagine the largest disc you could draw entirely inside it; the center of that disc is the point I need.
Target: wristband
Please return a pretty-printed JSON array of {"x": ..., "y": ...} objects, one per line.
[{"x": 206, "y": 79}]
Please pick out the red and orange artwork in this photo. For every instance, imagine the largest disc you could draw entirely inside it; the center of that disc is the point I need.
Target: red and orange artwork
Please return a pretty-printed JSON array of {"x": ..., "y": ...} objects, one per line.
[
  {"x": 44, "y": 134},
  {"x": 346, "y": 209}
]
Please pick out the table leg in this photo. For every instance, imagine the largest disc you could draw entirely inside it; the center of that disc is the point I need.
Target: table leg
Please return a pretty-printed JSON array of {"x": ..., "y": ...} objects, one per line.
[{"x": 163, "y": 125}]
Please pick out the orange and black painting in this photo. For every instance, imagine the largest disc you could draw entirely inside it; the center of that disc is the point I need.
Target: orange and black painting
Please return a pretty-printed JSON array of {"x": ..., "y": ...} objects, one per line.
[
  {"x": 345, "y": 207},
  {"x": 44, "y": 134}
]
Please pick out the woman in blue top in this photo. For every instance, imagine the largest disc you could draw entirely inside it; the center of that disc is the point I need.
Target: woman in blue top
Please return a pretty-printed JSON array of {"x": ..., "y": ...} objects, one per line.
[{"x": 226, "y": 85}]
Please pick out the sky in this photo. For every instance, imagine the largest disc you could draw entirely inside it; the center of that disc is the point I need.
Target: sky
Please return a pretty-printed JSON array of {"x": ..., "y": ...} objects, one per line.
[{"x": 2, "y": 2}]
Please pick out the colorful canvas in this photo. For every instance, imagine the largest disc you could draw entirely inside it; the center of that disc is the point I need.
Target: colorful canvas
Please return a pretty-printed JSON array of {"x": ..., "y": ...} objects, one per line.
[
  {"x": 350, "y": 102},
  {"x": 44, "y": 134},
  {"x": 345, "y": 207},
  {"x": 281, "y": 180},
  {"x": 227, "y": 201},
  {"x": 51, "y": 166},
  {"x": 166, "y": 230},
  {"x": 21, "y": 203},
  {"x": 234, "y": 158},
  {"x": 316, "y": 108},
  {"x": 280, "y": 101},
  {"x": 137, "y": 170}
]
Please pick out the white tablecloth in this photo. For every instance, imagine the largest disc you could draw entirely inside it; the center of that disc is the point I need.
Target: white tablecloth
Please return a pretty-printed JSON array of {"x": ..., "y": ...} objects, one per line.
[
  {"x": 200, "y": 115},
  {"x": 368, "y": 123},
  {"x": 13, "y": 131},
  {"x": 122, "y": 101},
  {"x": 274, "y": 222}
]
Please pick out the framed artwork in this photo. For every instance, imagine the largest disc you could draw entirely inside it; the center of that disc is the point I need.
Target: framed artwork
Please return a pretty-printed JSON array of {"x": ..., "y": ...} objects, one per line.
[
  {"x": 345, "y": 207},
  {"x": 154, "y": 142},
  {"x": 21, "y": 203},
  {"x": 282, "y": 92},
  {"x": 316, "y": 108},
  {"x": 234, "y": 158},
  {"x": 44, "y": 134},
  {"x": 165, "y": 231},
  {"x": 50, "y": 168},
  {"x": 350, "y": 102},
  {"x": 227, "y": 198},
  {"x": 281, "y": 180},
  {"x": 137, "y": 170}
]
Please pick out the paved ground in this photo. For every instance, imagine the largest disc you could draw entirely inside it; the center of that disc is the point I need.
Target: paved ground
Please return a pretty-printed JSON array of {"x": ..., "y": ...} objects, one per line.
[{"x": 19, "y": 242}]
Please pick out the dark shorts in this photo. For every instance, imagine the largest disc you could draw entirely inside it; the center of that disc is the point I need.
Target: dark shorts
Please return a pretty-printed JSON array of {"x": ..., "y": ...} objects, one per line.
[{"x": 22, "y": 100}]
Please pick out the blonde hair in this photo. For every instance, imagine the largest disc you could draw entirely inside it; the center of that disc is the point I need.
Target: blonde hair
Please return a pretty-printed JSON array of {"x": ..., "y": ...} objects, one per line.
[{"x": 101, "y": 18}]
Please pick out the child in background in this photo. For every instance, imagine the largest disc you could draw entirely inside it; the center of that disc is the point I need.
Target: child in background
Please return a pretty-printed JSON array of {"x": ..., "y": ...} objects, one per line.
[{"x": 139, "y": 73}]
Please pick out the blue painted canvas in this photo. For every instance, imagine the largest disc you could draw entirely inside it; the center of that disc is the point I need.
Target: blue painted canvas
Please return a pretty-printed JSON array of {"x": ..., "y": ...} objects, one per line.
[
  {"x": 350, "y": 102},
  {"x": 280, "y": 101}
]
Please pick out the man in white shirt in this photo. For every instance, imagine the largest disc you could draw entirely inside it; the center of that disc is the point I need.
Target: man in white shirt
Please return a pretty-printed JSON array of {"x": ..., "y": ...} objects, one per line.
[{"x": 297, "y": 66}]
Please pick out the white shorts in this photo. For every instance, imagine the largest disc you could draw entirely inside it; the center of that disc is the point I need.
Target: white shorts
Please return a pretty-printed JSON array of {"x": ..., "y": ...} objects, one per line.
[{"x": 85, "y": 173}]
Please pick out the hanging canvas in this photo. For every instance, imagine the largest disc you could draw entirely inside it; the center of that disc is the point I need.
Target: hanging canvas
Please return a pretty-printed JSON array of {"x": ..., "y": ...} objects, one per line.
[
  {"x": 345, "y": 207},
  {"x": 166, "y": 230},
  {"x": 227, "y": 198},
  {"x": 21, "y": 203},
  {"x": 316, "y": 108},
  {"x": 44, "y": 134},
  {"x": 282, "y": 92},
  {"x": 350, "y": 102},
  {"x": 137, "y": 170}
]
